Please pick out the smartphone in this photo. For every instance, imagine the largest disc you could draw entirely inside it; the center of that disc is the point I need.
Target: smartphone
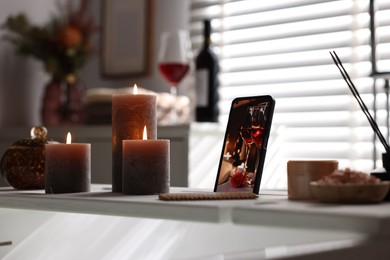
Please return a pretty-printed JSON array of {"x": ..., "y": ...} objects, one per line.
[{"x": 245, "y": 144}]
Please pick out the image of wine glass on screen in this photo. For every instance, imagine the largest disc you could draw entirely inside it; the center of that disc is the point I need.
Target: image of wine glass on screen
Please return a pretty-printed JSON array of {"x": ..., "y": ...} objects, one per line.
[
  {"x": 245, "y": 132},
  {"x": 174, "y": 58},
  {"x": 258, "y": 130}
]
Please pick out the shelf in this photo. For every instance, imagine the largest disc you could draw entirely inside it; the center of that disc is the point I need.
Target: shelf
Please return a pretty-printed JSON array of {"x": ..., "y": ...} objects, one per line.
[
  {"x": 102, "y": 201},
  {"x": 270, "y": 209}
]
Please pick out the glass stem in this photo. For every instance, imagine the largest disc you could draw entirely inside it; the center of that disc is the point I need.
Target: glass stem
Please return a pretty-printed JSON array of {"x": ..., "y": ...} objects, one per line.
[
  {"x": 257, "y": 163},
  {"x": 174, "y": 116},
  {"x": 248, "y": 147}
]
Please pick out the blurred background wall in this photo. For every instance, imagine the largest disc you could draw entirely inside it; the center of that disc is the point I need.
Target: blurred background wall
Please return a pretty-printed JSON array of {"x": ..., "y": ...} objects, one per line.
[{"x": 22, "y": 79}]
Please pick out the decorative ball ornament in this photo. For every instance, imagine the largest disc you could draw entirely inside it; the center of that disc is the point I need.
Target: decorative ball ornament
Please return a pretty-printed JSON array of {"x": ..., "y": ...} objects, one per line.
[{"x": 23, "y": 164}]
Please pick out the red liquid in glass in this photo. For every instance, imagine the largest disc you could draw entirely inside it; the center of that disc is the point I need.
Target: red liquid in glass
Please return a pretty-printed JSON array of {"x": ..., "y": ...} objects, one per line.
[
  {"x": 257, "y": 135},
  {"x": 173, "y": 72},
  {"x": 246, "y": 135}
]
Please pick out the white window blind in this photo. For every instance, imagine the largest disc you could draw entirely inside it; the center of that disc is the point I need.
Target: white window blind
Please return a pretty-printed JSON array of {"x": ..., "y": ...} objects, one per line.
[{"x": 281, "y": 48}]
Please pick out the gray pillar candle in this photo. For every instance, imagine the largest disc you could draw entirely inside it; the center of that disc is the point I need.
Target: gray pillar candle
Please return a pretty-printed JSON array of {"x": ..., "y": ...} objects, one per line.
[
  {"x": 146, "y": 167},
  {"x": 67, "y": 168},
  {"x": 130, "y": 113}
]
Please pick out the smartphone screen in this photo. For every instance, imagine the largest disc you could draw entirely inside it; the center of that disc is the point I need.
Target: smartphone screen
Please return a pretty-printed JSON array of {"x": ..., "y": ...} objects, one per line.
[{"x": 245, "y": 144}]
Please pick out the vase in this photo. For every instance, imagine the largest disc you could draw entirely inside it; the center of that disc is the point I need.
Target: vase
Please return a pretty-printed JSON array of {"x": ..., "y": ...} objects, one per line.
[{"x": 63, "y": 102}]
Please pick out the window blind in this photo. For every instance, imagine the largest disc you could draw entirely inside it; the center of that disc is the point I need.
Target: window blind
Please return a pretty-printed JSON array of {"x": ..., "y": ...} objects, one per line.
[{"x": 281, "y": 48}]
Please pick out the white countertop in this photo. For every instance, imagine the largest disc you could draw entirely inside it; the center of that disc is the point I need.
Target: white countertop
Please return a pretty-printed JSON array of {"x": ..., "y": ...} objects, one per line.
[
  {"x": 269, "y": 209},
  {"x": 370, "y": 219}
]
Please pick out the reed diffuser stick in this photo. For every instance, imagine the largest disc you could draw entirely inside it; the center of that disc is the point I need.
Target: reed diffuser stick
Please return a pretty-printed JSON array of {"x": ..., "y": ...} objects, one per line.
[{"x": 356, "y": 94}]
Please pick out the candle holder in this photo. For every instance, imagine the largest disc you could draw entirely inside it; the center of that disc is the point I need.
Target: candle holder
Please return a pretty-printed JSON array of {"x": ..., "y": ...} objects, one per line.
[{"x": 23, "y": 164}]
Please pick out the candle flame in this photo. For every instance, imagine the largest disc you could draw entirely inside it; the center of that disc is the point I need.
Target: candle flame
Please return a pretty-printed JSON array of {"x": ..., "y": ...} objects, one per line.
[
  {"x": 145, "y": 135},
  {"x": 135, "y": 89},
  {"x": 68, "y": 138}
]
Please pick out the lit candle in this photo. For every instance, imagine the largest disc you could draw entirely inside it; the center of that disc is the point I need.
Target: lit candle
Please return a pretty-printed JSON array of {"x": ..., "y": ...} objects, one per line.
[
  {"x": 67, "y": 167},
  {"x": 130, "y": 113},
  {"x": 146, "y": 166}
]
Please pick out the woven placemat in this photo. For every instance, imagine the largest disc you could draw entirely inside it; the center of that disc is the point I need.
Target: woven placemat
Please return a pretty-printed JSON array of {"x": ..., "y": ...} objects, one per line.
[{"x": 208, "y": 196}]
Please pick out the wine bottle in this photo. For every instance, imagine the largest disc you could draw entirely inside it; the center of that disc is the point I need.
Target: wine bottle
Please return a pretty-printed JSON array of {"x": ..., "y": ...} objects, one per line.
[{"x": 207, "y": 70}]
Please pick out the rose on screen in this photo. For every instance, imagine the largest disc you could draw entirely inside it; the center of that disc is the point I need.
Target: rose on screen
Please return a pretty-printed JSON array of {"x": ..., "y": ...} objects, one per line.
[{"x": 238, "y": 180}]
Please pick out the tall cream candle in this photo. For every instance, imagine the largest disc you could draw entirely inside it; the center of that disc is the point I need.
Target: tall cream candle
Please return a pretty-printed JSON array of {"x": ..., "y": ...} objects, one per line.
[
  {"x": 67, "y": 167},
  {"x": 130, "y": 113}
]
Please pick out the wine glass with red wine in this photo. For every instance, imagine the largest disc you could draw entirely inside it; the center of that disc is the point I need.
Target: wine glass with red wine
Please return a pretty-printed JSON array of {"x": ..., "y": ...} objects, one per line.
[
  {"x": 174, "y": 59},
  {"x": 245, "y": 132},
  {"x": 258, "y": 123},
  {"x": 258, "y": 129}
]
